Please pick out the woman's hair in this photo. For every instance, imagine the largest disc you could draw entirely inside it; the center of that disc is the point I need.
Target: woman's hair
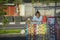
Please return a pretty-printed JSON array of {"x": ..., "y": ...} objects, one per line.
[{"x": 37, "y": 13}]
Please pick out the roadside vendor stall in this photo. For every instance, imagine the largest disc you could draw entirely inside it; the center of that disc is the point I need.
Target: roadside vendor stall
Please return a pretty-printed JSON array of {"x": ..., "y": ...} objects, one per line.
[
  {"x": 41, "y": 31},
  {"x": 36, "y": 31}
]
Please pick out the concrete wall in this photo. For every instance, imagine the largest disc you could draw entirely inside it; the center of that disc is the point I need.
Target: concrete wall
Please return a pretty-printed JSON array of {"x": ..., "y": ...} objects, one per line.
[
  {"x": 30, "y": 10},
  {"x": 22, "y": 10}
]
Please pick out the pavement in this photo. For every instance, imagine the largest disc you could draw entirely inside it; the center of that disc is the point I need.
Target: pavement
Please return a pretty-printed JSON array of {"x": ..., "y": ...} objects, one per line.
[
  {"x": 12, "y": 35},
  {"x": 13, "y": 38}
]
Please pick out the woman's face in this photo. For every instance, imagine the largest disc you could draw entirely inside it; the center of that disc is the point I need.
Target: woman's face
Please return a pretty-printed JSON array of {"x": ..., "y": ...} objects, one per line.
[{"x": 37, "y": 15}]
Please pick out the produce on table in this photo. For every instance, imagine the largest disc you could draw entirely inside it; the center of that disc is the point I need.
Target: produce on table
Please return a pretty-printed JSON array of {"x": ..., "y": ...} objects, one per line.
[
  {"x": 41, "y": 29},
  {"x": 31, "y": 29}
]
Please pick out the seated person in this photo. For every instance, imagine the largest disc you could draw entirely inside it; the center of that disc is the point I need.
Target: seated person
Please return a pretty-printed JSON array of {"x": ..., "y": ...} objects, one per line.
[{"x": 37, "y": 17}]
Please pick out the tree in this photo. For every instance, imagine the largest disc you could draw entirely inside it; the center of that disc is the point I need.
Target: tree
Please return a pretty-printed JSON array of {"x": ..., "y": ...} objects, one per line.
[
  {"x": 45, "y": 1},
  {"x": 2, "y": 6},
  {"x": 5, "y": 22},
  {"x": 2, "y": 13}
]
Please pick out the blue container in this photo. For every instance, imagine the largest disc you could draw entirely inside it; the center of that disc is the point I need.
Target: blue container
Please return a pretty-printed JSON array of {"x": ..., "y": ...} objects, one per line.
[{"x": 27, "y": 32}]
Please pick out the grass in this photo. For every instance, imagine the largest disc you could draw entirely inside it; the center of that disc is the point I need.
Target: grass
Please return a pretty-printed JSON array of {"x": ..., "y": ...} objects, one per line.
[{"x": 10, "y": 31}]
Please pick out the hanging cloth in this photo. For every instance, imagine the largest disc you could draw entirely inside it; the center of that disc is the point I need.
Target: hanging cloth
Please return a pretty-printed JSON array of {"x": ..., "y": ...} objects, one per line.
[{"x": 44, "y": 20}]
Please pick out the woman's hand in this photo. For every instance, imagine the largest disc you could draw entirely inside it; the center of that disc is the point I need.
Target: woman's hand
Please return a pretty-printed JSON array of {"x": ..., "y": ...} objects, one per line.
[{"x": 34, "y": 21}]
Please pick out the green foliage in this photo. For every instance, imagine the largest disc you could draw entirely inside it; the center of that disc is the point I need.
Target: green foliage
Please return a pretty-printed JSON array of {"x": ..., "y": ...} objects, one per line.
[
  {"x": 45, "y": 1},
  {"x": 33, "y": 1},
  {"x": 10, "y": 31},
  {"x": 2, "y": 13},
  {"x": 5, "y": 21},
  {"x": 3, "y": 2},
  {"x": 2, "y": 6},
  {"x": 18, "y": 1}
]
